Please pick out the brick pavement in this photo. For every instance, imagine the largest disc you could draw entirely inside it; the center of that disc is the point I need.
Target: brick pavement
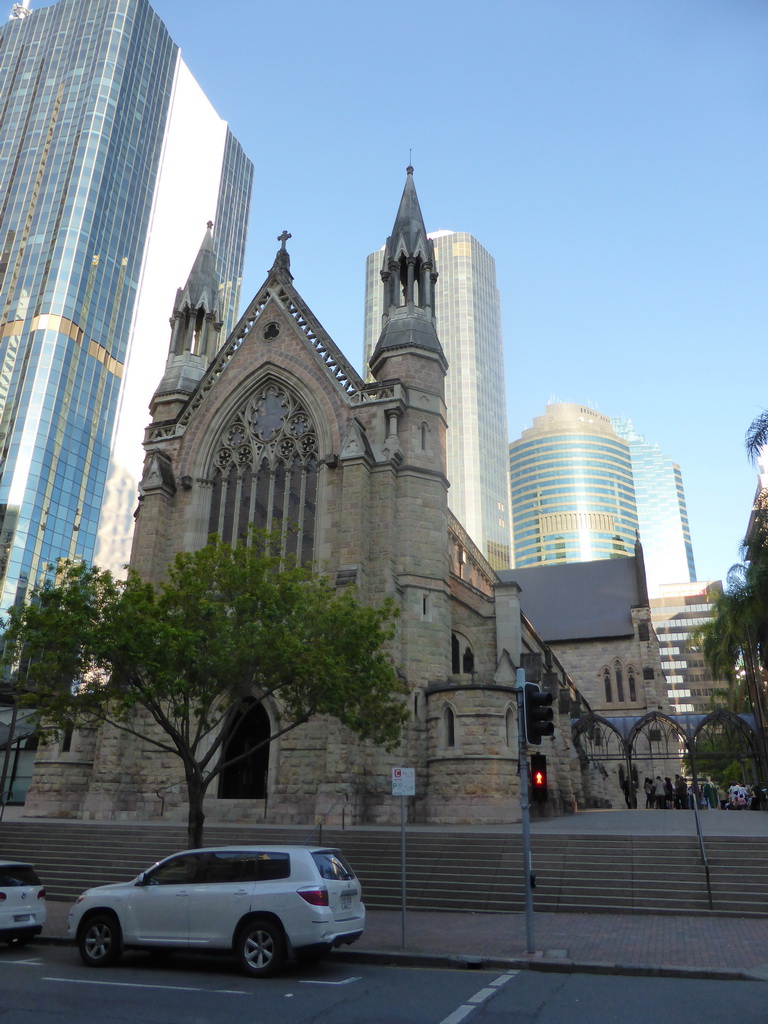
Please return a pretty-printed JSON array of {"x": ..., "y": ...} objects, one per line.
[
  {"x": 699, "y": 945},
  {"x": 610, "y": 943}
]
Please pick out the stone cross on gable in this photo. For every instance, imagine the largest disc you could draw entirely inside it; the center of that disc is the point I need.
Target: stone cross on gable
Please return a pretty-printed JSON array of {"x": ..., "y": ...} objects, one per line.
[{"x": 283, "y": 238}]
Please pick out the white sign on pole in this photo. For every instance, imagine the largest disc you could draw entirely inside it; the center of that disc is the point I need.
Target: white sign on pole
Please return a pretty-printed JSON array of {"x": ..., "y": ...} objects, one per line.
[{"x": 403, "y": 782}]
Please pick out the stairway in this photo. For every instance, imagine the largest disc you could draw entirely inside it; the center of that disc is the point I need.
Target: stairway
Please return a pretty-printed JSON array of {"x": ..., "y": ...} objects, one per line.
[{"x": 477, "y": 872}]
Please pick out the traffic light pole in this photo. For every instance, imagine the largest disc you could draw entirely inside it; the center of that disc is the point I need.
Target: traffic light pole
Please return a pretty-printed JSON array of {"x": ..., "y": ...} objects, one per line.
[{"x": 525, "y": 807}]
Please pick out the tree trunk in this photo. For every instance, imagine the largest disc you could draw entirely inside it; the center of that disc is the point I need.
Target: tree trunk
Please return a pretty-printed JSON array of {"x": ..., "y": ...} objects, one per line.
[{"x": 196, "y": 793}]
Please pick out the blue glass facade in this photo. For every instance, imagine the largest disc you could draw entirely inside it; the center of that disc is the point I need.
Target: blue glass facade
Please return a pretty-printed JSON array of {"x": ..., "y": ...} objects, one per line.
[
  {"x": 573, "y": 496},
  {"x": 85, "y": 94},
  {"x": 661, "y": 510}
]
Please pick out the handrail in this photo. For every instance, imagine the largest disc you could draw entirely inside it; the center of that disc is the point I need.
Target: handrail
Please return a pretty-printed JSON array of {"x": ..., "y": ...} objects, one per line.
[
  {"x": 4, "y": 800},
  {"x": 319, "y": 826},
  {"x": 168, "y": 786},
  {"x": 704, "y": 860}
]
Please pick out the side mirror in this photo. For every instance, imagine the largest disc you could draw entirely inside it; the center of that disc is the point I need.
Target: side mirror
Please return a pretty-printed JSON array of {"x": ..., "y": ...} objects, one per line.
[{"x": 141, "y": 879}]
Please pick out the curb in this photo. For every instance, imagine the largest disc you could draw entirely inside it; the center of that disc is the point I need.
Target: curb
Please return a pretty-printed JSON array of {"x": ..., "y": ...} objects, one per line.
[
  {"x": 402, "y": 958},
  {"x": 454, "y": 961}
]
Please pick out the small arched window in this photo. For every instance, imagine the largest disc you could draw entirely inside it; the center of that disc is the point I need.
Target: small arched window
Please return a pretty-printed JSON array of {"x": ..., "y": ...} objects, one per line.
[
  {"x": 607, "y": 684},
  {"x": 449, "y": 726},
  {"x": 632, "y": 685},
  {"x": 619, "y": 674},
  {"x": 455, "y": 655},
  {"x": 509, "y": 727},
  {"x": 468, "y": 661}
]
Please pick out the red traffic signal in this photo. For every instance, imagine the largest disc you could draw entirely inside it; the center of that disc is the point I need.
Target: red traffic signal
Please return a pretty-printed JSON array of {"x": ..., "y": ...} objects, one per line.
[{"x": 538, "y": 777}]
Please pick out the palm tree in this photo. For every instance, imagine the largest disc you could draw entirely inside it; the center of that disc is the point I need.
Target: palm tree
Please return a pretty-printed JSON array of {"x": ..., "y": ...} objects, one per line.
[{"x": 757, "y": 435}]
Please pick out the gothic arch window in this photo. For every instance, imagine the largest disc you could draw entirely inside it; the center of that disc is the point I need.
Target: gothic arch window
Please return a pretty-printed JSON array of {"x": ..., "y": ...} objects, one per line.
[
  {"x": 631, "y": 683},
  {"x": 468, "y": 661},
  {"x": 449, "y": 727},
  {"x": 509, "y": 726},
  {"x": 618, "y": 673},
  {"x": 247, "y": 779},
  {"x": 265, "y": 469},
  {"x": 462, "y": 655},
  {"x": 607, "y": 684},
  {"x": 424, "y": 436}
]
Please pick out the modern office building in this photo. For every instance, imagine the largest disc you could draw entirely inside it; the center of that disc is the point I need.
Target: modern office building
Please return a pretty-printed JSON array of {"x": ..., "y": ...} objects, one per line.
[
  {"x": 572, "y": 490},
  {"x": 661, "y": 511},
  {"x": 111, "y": 163},
  {"x": 468, "y": 317},
  {"x": 676, "y": 612}
]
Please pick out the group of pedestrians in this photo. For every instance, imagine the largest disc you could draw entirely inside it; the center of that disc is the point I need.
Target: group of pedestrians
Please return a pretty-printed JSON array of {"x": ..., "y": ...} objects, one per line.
[
  {"x": 664, "y": 794},
  {"x": 740, "y": 797}
]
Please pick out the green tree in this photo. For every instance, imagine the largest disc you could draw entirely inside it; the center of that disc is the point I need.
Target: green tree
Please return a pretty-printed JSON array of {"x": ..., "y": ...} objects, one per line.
[
  {"x": 757, "y": 435},
  {"x": 172, "y": 665}
]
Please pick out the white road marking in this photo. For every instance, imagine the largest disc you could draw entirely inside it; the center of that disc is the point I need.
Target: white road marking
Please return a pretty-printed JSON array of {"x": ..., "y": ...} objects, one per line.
[
  {"x": 24, "y": 963},
  {"x": 503, "y": 979},
  {"x": 457, "y": 1015},
  {"x": 479, "y": 997},
  {"x": 169, "y": 988},
  {"x": 347, "y": 981},
  {"x": 482, "y": 995}
]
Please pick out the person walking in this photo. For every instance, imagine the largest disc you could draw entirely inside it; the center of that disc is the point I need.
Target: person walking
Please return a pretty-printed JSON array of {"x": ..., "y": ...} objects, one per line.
[
  {"x": 660, "y": 793},
  {"x": 650, "y": 799},
  {"x": 681, "y": 793}
]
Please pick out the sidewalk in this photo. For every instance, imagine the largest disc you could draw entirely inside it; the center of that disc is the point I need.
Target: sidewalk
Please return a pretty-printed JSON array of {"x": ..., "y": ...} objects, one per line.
[{"x": 700, "y": 947}]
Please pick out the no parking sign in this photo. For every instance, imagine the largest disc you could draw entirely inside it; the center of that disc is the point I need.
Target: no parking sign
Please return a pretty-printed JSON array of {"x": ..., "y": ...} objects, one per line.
[{"x": 403, "y": 782}]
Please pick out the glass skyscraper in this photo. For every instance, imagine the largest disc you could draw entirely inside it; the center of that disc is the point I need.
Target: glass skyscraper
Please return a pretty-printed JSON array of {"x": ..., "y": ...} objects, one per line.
[
  {"x": 573, "y": 495},
  {"x": 677, "y": 611},
  {"x": 661, "y": 511},
  {"x": 111, "y": 162},
  {"x": 468, "y": 319}
]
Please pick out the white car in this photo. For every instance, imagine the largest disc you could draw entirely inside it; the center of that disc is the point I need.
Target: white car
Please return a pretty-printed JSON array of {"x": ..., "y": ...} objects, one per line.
[
  {"x": 265, "y": 903},
  {"x": 22, "y": 902}
]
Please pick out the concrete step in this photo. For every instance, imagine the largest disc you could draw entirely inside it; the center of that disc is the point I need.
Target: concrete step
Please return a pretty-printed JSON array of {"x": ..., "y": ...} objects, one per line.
[{"x": 445, "y": 871}]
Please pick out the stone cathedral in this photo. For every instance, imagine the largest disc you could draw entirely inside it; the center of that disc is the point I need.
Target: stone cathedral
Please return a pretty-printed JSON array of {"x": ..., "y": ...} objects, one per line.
[{"x": 273, "y": 425}]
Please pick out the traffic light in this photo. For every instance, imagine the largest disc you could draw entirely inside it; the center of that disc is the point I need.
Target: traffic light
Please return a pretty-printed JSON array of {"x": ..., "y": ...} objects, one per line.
[
  {"x": 537, "y": 708},
  {"x": 538, "y": 778}
]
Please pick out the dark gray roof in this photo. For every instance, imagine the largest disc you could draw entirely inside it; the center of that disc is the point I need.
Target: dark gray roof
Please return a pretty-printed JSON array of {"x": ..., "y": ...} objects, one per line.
[{"x": 579, "y": 600}]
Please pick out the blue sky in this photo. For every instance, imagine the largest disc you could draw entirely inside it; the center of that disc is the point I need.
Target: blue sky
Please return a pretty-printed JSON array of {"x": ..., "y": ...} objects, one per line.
[{"x": 612, "y": 155}]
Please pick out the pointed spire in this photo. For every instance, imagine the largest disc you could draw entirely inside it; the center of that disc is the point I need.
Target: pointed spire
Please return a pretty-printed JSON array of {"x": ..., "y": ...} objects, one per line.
[
  {"x": 409, "y": 277},
  {"x": 202, "y": 287},
  {"x": 195, "y": 328},
  {"x": 409, "y": 236}
]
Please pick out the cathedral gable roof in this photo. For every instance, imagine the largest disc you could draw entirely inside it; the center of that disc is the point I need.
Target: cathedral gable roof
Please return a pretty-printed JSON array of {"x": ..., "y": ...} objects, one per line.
[{"x": 277, "y": 292}]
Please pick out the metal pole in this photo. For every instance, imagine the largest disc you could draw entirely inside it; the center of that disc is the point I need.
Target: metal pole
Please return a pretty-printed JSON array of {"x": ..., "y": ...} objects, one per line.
[
  {"x": 7, "y": 757},
  {"x": 522, "y": 762},
  {"x": 402, "y": 862}
]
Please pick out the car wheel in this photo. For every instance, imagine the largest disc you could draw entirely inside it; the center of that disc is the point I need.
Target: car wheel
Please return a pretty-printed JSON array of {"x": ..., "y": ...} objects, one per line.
[
  {"x": 260, "y": 948},
  {"x": 99, "y": 940}
]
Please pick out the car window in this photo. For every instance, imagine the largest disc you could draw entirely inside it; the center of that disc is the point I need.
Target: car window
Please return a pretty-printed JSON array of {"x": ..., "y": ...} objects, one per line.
[
  {"x": 332, "y": 865},
  {"x": 177, "y": 871},
  {"x": 237, "y": 866},
  {"x": 17, "y": 874}
]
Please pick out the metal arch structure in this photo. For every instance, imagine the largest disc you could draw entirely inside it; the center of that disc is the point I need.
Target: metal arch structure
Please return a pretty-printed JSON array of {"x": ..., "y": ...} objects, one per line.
[{"x": 661, "y": 736}]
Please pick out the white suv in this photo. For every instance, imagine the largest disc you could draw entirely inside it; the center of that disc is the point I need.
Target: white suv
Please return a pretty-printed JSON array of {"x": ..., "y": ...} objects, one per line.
[
  {"x": 22, "y": 903},
  {"x": 263, "y": 902}
]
